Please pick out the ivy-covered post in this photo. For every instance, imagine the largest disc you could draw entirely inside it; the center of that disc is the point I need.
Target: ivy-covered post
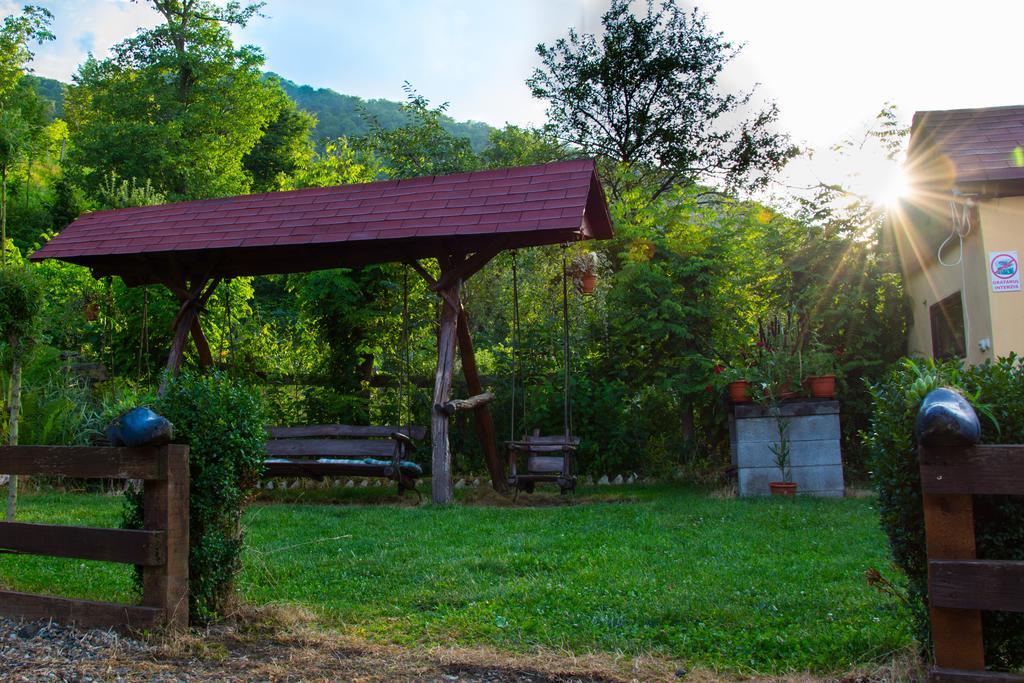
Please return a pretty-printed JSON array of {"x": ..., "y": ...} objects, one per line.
[{"x": 21, "y": 298}]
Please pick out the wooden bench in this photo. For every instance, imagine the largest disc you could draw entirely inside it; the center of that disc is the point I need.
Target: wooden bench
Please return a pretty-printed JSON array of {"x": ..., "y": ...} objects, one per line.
[
  {"x": 319, "y": 451},
  {"x": 549, "y": 459}
]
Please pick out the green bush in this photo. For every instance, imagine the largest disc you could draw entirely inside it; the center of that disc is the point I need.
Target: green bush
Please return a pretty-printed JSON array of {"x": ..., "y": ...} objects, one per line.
[
  {"x": 999, "y": 521},
  {"x": 223, "y": 422},
  {"x": 21, "y": 298}
]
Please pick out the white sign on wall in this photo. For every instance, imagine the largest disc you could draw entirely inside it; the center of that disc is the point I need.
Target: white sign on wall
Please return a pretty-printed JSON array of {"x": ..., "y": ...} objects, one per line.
[{"x": 1004, "y": 270}]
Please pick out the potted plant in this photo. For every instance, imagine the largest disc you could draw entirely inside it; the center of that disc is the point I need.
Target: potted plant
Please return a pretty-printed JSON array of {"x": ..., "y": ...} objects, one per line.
[
  {"x": 583, "y": 270},
  {"x": 771, "y": 400},
  {"x": 820, "y": 366},
  {"x": 737, "y": 384}
]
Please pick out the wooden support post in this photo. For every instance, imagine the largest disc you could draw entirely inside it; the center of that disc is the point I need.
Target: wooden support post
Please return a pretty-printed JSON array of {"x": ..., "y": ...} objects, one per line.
[
  {"x": 14, "y": 408},
  {"x": 949, "y": 530},
  {"x": 481, "y": 415},
  {"x": 184, "y": 324},
  {"x": 165, "y": 508},
  {"x": 202, "y": 346},
  {"x": 441, "y": 486}
]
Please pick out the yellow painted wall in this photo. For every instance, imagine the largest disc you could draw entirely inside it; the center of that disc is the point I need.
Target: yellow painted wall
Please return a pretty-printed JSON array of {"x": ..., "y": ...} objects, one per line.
[
  {"x": 1002, "y": 229},
  {"x": 928, "y": 282}
]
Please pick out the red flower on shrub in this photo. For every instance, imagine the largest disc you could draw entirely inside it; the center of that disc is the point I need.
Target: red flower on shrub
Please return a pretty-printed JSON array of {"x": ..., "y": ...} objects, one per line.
[{"x": 718, "y": 369}]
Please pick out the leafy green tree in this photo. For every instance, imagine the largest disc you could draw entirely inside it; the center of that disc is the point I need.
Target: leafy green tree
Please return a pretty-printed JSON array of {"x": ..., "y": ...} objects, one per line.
[
  {"x": 515, "y": 146},
  {"x": 283, "y": 149},
  {"x": 21, "y": 110},
  {"x": 423, "y": 146},
  {"x": 179, "y": 105},
  {"x": 646, "y": 94}
]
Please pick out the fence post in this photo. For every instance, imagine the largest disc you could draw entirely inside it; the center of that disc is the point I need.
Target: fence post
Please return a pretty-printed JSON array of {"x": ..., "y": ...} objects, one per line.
[
  {"x": 949, "y": 535},
  {"x": 165, "y": 508}
]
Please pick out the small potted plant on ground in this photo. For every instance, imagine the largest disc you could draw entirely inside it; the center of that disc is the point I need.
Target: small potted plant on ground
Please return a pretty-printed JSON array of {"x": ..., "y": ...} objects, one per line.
[
  {"x": 820, "y": 366},
  {"x": 781, "y": 451}
]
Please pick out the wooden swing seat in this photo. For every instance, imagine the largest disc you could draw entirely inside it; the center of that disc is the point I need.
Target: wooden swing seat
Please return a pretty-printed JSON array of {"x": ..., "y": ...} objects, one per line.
[
  {"x": 319, "y": 451},
  {"x": 542, "y": 465}
]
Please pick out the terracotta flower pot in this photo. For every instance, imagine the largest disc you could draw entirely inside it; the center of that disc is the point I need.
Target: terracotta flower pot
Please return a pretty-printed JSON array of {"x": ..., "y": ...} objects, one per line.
[
  {"x": 782, "y": 488},
  {"x": 588, "y": 282},
  {"x": 739, "y": 391},
  {"x": 823, "y": 386}
]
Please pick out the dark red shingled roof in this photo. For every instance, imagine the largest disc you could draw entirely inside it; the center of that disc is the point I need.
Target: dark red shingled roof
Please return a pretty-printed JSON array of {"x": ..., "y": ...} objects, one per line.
[
  {"x": 345, "y": 225},
  {"x": 968, "y": 147}
]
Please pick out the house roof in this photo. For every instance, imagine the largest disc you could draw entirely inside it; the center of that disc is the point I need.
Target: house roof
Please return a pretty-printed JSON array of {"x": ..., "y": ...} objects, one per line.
[
  {"x": 347, "y": 225},
  {"x": 973, "y": 149}
]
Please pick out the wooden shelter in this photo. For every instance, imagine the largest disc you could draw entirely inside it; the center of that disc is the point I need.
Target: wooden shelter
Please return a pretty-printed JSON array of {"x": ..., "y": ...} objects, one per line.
[{"x": 461, "y": 220}]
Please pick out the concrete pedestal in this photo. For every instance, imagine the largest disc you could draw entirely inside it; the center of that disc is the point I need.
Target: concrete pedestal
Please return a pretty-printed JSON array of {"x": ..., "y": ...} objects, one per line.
[{"x": 815, "y": 454}]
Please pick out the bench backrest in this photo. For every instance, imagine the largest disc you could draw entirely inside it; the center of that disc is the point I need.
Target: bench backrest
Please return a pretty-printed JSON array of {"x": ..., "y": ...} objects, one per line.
[{"x": 342, "y": 441}]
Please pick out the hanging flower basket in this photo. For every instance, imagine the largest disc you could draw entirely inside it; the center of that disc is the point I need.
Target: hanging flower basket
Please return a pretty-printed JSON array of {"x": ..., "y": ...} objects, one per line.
[
  {"x": 92, "y": 310},
  {"x": 588, "y": 283}
]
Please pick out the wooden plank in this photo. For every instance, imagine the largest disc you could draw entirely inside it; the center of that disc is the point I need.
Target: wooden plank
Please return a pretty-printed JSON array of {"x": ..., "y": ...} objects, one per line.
[
  {"x": 441, "y": 487},
  {"x": 166, "y": 508},
  {"x": 83, "y": 612},
  {"x": 85, "y": 543},
  {"x": 416, "y": 432},
  {"x": 330, "y": 448},
  {"x": 555, "y": 439},
  {"x": 994, "y": 469},
  {"x": 996, "y": 585},
  {"x": 949, "y": 535},
  {"x": 941, "y": 675},
  {"x": 530, "y": 447},
  {"x": 86, "y": 462},
  {"x": 482, "y": 420},
  {"x": 544, "y": 464}
]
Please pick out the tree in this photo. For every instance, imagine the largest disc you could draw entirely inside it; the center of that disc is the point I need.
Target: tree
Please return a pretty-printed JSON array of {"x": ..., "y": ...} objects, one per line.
[
  {"x": 21, "y": 111},
  {"x": 515, "y": 146},
  {"x": 178, "y": 105},
  {"x": 646, "y": 94},
  {"x": 17, "y": 32},
  {"x": 283, "y": 149},
  {"x": 422, "y": 146}
]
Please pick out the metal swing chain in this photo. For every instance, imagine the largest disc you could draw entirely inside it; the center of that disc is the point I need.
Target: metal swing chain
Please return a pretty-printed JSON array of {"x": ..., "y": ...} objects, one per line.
[
  {"x": 144, "y": 333},
  {"x": 566, "y": 396},
  {"x": 516, "y": 359},
  {"x": 403, "y": 399}
]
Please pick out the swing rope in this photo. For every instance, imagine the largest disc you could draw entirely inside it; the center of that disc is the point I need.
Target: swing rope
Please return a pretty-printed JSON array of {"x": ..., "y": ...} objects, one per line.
[{"x": 144, "y": 334}]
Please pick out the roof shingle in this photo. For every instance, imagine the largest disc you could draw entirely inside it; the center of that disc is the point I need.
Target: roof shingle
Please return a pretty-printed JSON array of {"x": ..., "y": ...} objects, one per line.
[
  {"x": 972, "y": 145},
  {"x": 546, "y": 200}
]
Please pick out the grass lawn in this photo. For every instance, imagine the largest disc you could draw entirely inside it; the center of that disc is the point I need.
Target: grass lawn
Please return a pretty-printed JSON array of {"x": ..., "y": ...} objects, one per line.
[{"x": 744, "y": 585}]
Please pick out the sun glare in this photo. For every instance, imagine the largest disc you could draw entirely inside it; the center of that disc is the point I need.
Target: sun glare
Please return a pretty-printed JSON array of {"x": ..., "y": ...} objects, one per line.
[{"x": 895, "y": 187}]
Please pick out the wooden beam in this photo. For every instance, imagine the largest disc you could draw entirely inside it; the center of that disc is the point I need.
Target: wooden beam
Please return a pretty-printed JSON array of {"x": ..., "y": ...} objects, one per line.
[
  {"x": 441, "y": 488},
  {"x": 166, "y": 509},
  {"x": 990, "y": 470},
  {"x": 996, "y": 585},
  {"x": 940, "y": 675},
  {"x": 470, "y": 266},
  {"x": 202, "y": 346},
  {"x": 456, "y": 404},
  {"x": 82, "y": 612},
  {"x": 85, "y": 462},
  {"x": 482, "y": 421},
  {"x": 949, "y": 535},
  {"x": 127, "y": 546}
]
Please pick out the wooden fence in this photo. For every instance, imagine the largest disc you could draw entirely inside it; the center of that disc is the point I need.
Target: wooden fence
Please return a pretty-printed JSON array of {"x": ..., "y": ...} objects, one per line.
[
  {"x": 959, "y": 585},
  {"x": 160, "y": 548}
]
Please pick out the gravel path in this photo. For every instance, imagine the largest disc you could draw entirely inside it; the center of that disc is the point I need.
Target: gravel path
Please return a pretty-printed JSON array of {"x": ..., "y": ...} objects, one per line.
[{"x": 42, "y": 651}]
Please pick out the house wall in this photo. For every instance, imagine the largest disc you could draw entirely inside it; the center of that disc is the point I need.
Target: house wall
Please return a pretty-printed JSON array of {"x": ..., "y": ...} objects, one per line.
[
  {"x": 927, "y": 281},
  {"x": 1002, "y": 229}
]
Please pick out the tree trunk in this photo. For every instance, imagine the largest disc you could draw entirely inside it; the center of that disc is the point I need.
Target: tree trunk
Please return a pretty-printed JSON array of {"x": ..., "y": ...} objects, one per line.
[
  {"x": 3, "y": 215},
  {"x": 441, "y": 476},
  {"x": 686, "y": 422},
  {"x": 14, "y": 410}
]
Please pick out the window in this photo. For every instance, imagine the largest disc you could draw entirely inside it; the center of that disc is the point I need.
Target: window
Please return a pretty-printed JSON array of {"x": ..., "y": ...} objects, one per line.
[{"x": 947, "y": 319}]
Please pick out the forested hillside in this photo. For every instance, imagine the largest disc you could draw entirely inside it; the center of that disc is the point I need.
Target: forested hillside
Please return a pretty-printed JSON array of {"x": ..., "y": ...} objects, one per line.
[
  {"x": 345, "y": 115},
  {"x": 337, "y": 115}
]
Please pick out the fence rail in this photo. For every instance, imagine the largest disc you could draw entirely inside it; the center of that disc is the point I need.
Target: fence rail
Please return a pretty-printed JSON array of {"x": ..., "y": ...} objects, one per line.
[
  {"x": 960, "y": 585},
  {"x": 160, "y": 548}
]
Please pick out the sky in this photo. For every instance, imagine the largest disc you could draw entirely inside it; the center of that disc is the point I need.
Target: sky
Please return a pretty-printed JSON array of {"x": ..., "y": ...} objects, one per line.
[{"x": 829, "y": 65}]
